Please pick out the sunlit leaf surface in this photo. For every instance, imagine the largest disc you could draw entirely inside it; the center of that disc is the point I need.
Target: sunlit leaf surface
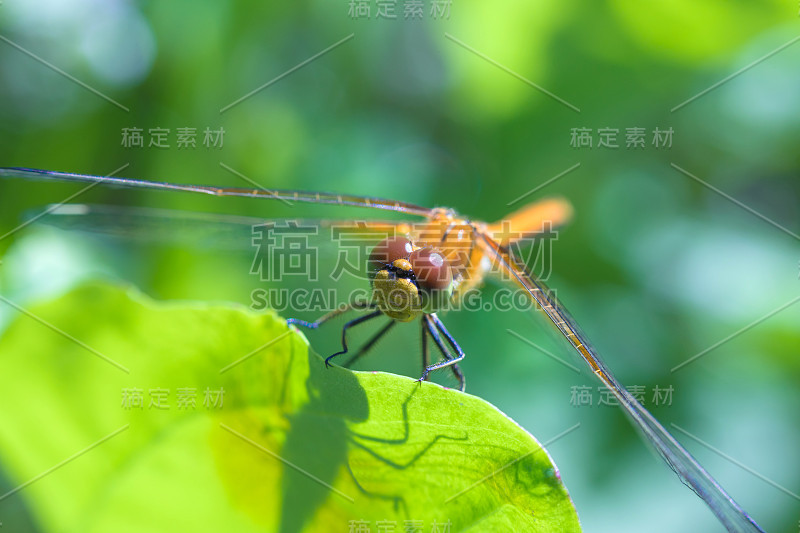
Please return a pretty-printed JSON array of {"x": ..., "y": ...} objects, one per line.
[{"x": 241, "y": 428}]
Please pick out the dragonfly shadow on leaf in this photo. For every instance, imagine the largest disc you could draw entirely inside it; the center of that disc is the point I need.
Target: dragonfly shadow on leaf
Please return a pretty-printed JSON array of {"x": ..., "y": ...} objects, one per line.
[{"x": 321, "y": 443}]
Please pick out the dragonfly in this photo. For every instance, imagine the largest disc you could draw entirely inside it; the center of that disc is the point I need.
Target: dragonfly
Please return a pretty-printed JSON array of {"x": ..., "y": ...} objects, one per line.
[{"x": 418, "y": 267}]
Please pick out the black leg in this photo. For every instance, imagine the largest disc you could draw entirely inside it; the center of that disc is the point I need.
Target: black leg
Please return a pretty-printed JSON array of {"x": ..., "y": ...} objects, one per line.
[
  {"x": 354, "y": 322},
  {"x": 368, "y": 346},
  {"x": 434, "y": 326},
  {"x": 430, "y": 328},
  {"x": 333, "y": 314},
  {"x": 425, "y": 355}
]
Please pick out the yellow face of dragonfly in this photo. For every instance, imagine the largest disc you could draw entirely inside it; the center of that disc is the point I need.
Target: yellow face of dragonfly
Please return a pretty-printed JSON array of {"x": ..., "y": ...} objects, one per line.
[{"x": 409, "y": 280}]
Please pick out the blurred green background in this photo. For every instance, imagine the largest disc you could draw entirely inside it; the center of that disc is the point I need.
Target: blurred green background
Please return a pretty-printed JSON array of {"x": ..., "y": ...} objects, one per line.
[{"x": 655, "y": 266}]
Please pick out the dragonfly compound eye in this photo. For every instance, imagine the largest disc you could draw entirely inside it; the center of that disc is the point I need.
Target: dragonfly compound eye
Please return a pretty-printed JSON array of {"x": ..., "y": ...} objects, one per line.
[
  {"x": 388, "y": 250},
  {"x": 431, "y": 269}
]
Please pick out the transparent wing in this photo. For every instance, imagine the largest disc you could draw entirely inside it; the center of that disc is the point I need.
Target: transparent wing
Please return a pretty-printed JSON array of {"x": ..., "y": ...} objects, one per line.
[
  {"x": 286, "y": 196},
  {"x": 677, "y": 458},
  {"x": 149, "y": 225},
  {"x": 208, "y": 230}
]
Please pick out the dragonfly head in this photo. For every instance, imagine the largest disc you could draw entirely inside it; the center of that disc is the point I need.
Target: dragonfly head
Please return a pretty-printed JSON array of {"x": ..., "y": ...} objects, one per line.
[{"x": 408, "y": 280}]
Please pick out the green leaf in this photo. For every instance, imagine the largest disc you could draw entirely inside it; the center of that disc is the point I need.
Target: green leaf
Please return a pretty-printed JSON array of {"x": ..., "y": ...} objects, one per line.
[{"x": 293, "y": 447}]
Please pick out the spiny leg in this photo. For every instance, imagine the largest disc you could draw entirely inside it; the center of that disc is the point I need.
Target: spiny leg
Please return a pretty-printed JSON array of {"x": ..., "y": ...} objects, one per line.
[
  {"x": 459, "y": 375},
  {"x": 448, "y": 360},
  {"x": 424, "y": 335},
  {"x": 434, "y": 325},
  {"x": 354, "y": 322},
  {"x": 435, "y": 319},
  {"x": 431, "y": 330},
  {"x": 328, "y": 316},
  {"x": 368, "y": 346}
]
